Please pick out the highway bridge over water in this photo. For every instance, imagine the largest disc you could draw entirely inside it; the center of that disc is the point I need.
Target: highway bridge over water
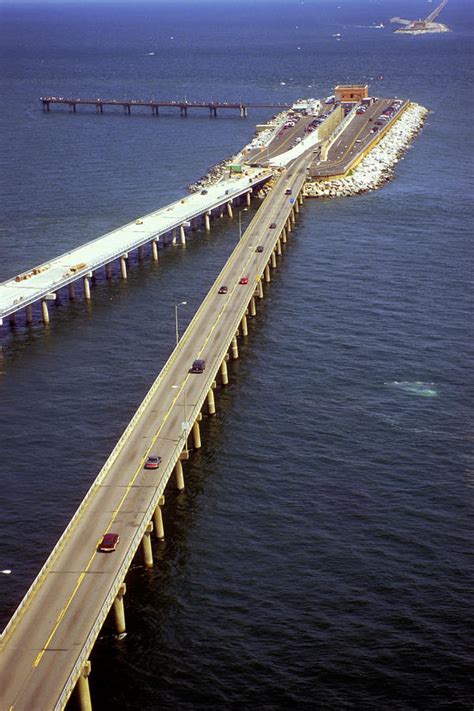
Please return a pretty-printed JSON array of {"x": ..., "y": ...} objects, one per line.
[{"x": 46, "y": 646}]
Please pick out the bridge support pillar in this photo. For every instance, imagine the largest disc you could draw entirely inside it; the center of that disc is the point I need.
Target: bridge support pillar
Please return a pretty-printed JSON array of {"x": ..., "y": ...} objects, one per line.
[
  {"x": 273, "y": 260},
  {"x": 123, "y": 267},
  {"x": 72, "y": 290},
  {"x": 244, "y": 326},
  {"x": 179, "y": 476},
  {"x": 146, "y": 545},
  {"x": 235, "y": 348},
  {"x": 211, "y": 403},
  {"x": 141, "y": 252},
  {"x": 108, "y": 271},
  {"x": 87, "y": 289},
  {"x": 154, "y": 250},
  {"x": 158, "y": 520},
  {"x": 296, "y": 206},
  {"x": 267, "y": 275},
  {"x": 44, "y": 307},
  {"x": 288, "y": 226},
  {"x": 224, "y": 373},
  {"x": 292, "y": 217},
  {"x": 283, "y": 235},
  {"x": 29, "y": 314},
  {"x": 278, "y": 247},
  {"x": 119, "y": 610},
  {"x": 182, "y": 235},
  {"x": 207, "y": 222},
  {"x": 249, "y": 198},
  {"x": 197, "y": 435},
  {"x": 83, "y": 690},
  {"x": 253, "y": 306},
  {"x": 301, "y": 197},
  {"x": 260, "y": 289},
  {"x": 229, "y": 209}
]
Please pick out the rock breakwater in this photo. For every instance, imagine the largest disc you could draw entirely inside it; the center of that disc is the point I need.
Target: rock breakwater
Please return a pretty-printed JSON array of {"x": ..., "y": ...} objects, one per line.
[{"x": 376, "y": 168}]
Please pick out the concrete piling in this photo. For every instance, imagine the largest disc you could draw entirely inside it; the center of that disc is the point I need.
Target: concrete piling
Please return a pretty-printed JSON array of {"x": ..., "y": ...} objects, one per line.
[
  {"x": 179, "y": 476},
  {"x": 224, "y": 373},
  {"x": 158, "y": 521},
  {"x": 211, "y": 403},
  {"x": 123, "y": 267},
  {"x": 83, "y": 690},
  {"x": 119, "y": 610},
  {"x": 253, "y": 307},
  {"x": 146, "y": 545},
  {"x": 197, "y": 435}
]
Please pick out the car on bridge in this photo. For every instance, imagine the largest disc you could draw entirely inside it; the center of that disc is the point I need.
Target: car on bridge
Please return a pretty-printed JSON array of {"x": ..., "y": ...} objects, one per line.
[
  {"x": 152, "y": 462},
  {"x": 244, "y": 280},
  {"x": 223, "y": 290},
  {"x": 108, "y": 543},
  {"x": 273, "y": 225},
  {"x": 198, "y": 366},
  {"x": 259, "y": 248}
]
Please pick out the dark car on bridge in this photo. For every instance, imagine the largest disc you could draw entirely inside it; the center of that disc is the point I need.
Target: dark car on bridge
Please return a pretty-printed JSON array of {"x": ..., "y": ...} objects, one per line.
[
  {"x": 223, "y": 290},
  {"x": 152, "y": 462},
  {"x": 273, "y": 225},
  {"x": 259, "y": 248},
  {"x": 198, "y": 366},
  {"x": 109, "y": 543}
]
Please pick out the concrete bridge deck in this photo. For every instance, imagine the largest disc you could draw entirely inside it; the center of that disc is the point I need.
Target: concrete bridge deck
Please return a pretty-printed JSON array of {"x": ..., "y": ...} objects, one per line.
[
  {"x": 46, "y": 646},
  {"x": 40, "y": 284}
]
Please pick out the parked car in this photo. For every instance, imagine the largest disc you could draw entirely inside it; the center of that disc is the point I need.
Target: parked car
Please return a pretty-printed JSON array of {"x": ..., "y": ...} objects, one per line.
[
  {"x": 109, "y": 543},
  {"x": 198, "y": 366},
  {"x": 152, "y": 462},
  {"x": 223, "y": 290},
  {"x": 244, "y": 280}
]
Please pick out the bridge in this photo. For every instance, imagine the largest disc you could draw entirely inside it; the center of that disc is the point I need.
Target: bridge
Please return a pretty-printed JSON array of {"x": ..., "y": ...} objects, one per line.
[
  {"x": 37, "y": 287},
  {"x": 155, "y": 105},
  {"x": 46, "y": 646}
]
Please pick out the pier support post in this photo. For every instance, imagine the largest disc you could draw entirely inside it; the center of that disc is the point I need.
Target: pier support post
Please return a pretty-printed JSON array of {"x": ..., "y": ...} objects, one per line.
[
  {"x": 278, "y": 250},
  {"x": 260, "y": 289},
  {"x": 87, "y": 289},
  {"x": 273, "y": 260},
  {"x": 211, "y": 403},
  {"x": 154, "y": 250},
  {"x": 182, "y": 235},
  {"x": 253, "y": 307},
  {"x": 244, "y": 326},
  {"x": 292, "y": 217},
  {"x": 296, "y": 206},
  {"x": 283, "y": 235},
  {"x": 288, "y": 226},
  {"x": 108, "y": 271},
  {"x": 72, "y": 290},
  {"x": 224, "y": 373},
  {"x": 83, "y": 691},
  {"x": 235, "y": 348},
  {"x": 267, "y": 275},
  {"x": 123, "y": 267},
  {"x": 44, "y": 307},
  {"x": 179, "y": 476},
  {"x": 29, "y": 314},
  {"x": 301, "y": 197},
  {"x": 158, "y": 520},
  {"x": 146, "y": 544},
  {"x": 249, "y": 198},
  {"x": 141, "y": 252},
  {"x": 207, "y": 222},
  {"x": 229, "y": 209},
  {"x": 196, "y": 435},
  {"x": 119, "y": 610}
]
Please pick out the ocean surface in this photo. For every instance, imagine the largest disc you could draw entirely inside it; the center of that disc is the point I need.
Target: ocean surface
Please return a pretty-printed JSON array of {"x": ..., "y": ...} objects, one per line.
[{"x": 321, "y": 555}]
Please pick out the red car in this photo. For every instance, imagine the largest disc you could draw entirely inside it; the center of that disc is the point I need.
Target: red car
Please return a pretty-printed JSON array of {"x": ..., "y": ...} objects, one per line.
[
  {"x": 109, "y": 543},
  {"x": 152, "y": 462},
  {"x": 244, "y": 280}
]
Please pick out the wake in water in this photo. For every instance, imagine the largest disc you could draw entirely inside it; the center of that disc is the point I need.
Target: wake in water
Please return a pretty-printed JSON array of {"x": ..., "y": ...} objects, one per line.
[{"x": 414, "y": 388}]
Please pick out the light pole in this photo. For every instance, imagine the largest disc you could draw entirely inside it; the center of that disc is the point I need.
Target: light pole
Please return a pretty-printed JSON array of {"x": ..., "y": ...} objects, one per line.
[{"x": 181, "y": 303}]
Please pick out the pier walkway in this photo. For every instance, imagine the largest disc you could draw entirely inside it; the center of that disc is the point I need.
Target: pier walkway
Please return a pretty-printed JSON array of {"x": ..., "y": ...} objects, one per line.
[
  {"x": 46, "y": 646},
  {"x": 155, "y": 105}
]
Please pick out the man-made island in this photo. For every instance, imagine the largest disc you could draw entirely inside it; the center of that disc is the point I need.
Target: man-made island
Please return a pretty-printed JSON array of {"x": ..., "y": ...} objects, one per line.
[{"x": 421, "y": 27}]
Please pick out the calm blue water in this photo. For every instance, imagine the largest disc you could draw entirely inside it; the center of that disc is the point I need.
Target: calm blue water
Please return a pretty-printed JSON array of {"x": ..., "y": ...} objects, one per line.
[{"x": 319, "y": 557}]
